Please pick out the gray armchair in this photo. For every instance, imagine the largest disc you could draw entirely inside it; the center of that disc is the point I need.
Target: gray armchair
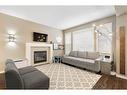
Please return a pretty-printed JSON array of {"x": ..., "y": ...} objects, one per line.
[{"x": 24, "y": 78}]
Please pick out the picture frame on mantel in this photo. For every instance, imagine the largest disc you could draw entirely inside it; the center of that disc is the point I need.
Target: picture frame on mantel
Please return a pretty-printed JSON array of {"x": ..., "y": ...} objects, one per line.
[
  {"x": 55, "y": 46},
  {"x": 61, "y": 47},
  {"x": 58, "y": 47}
]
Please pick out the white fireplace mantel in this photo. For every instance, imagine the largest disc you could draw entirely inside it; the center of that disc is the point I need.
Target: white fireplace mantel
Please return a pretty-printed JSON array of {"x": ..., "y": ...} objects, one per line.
[{"x": 29, "y": 46}]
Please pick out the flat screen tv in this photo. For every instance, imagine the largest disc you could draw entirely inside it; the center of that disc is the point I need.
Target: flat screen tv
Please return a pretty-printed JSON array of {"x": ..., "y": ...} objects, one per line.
[{"x": 39, "y": 37}]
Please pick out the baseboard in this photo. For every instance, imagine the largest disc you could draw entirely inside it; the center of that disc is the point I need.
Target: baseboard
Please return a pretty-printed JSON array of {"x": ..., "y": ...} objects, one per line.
[
  {"x": 121, "y": 76},
  {"x": 113, "y": 73},
  {"x": 118, "y": 75}
]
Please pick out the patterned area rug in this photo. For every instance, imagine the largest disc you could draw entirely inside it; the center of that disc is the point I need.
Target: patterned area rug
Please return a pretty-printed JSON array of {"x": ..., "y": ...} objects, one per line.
[{"x": 68, "y": 77}]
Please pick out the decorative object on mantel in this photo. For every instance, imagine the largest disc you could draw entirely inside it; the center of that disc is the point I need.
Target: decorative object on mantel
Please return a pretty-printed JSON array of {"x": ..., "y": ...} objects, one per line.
[
  {"x": 55, "y": 46},
  {"x": 61, "y": 47},
  {"x": 58, "y": 46},
  {"x": 51, "y": 42},
  {"x": 39, "y": 37}
]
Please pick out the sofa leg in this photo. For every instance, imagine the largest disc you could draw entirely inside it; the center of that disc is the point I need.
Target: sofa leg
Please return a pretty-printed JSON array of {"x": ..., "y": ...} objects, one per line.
[{"x": 98, "y": 72}]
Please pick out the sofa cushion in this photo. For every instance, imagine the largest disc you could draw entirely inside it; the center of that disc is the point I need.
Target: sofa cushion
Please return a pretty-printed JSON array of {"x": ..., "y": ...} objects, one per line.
[
  {"x": 27, "y": 70},
  {"x": 12, "y": 75},
  {"x": 81, "y": 59},
  {"x": 82, "y": 54},
  {"x": 31, "y": 82},
  {"x": 92, "y": 55},
  {"x": 73, "y": 53}
]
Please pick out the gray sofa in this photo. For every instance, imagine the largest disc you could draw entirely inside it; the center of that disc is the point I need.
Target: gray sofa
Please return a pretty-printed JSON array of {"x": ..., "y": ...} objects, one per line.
[
  {"x": 24, "y": 78},
  {"x": 85, "y": 60}
]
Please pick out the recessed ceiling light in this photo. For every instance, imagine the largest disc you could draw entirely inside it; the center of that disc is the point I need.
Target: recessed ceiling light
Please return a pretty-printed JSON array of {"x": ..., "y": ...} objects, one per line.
[{"x": 101, "y": 25}]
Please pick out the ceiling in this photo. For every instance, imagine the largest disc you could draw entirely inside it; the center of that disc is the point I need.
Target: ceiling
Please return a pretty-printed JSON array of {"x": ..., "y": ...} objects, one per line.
[
  {"x": 120, "y": 10},
  {"x": 60, "y": 17}
]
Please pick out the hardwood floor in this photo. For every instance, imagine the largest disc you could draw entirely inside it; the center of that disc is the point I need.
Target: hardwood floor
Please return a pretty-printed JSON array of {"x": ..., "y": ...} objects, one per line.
[
  {"x": 2, "y": 81},
  {"x": 110, "y": 82}
]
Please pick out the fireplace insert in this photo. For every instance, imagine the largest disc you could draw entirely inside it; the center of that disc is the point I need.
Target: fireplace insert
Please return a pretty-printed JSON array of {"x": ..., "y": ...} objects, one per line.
[{"x": 40, "y": 56}]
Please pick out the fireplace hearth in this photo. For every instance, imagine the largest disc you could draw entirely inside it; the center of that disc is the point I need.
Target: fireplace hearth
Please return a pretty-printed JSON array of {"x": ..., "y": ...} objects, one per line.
[{"x": 40, "y": 56}]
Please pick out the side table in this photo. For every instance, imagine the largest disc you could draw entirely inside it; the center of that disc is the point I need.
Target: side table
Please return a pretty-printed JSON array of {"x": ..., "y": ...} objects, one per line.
[
  {"x": 106, "y": 66},
  {"x": 57, "y": 59}
]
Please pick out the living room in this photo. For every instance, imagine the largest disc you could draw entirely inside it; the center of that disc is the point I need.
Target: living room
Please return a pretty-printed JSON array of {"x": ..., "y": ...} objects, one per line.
[{"x": 74, "y": 50}]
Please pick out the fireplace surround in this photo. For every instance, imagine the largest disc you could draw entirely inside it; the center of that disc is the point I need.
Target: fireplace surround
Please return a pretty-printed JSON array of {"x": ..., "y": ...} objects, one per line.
[{"x": 31, "y": 47}]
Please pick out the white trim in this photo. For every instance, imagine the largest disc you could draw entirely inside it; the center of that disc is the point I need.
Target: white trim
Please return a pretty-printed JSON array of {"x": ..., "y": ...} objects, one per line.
[
  {"x": 121, "y": 76},
  {"x": 113, "y": 73},
  {"x": 1, "y": 72}
]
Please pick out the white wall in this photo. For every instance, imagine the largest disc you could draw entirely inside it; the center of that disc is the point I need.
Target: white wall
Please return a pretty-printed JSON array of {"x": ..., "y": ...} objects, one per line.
[{"x": 24, "y": 30}]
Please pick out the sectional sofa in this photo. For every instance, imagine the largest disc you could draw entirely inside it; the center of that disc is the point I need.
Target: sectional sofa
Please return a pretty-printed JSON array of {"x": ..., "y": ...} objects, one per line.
[{"x": 85, "y": 60}]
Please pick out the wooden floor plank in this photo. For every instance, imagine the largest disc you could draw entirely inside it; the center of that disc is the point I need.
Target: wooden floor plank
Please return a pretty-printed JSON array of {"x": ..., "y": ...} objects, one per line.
[
  {"x": 2, "y": 81},
  {"x": 110, "y": 82}
]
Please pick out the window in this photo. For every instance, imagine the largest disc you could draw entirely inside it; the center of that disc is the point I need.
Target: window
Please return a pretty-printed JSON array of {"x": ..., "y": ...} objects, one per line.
[
  {"x": 86, "y": 40},
  {"x": 67, "y": 43},
  {"x": 83, "y": 40},
  {"x": 105, "y": 40}
]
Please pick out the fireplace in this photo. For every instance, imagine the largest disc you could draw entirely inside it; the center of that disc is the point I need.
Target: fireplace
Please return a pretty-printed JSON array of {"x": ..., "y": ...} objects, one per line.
[
  {"x": 40, "y": 56},
  {"x": 32, "y": 47}
]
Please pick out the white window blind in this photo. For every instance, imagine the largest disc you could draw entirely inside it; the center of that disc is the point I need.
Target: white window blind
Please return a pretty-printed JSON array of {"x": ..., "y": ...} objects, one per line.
[
  {"x": 83, "y": 40},
  {"x": 67, "y": 43}
]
